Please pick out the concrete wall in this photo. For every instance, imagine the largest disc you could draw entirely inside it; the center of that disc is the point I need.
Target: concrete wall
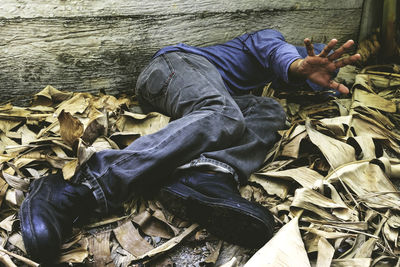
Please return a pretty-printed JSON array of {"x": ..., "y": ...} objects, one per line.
[{"x": 103, "y": 44}]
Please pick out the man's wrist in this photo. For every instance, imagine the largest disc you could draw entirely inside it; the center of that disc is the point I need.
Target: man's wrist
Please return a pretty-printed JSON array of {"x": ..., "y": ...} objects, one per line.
[{"x": 295, "y": 74}]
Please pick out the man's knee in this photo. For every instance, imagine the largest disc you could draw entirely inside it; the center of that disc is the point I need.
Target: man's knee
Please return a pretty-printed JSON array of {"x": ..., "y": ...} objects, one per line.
[
  {"x": 233, "y": 121},
  {"x": 257, "y": 107},
  {"x": 275, "y": 107},
  {"x": 265, "y": 112}
]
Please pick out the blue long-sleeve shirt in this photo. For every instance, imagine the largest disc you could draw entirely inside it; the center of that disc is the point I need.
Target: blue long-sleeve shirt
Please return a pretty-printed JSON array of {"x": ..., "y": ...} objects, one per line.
[{"x": 249, "y": 61}]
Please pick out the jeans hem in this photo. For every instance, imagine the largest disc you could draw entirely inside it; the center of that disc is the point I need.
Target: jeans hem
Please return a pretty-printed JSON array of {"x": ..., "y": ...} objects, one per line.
[{"x": 213, "y": 164}]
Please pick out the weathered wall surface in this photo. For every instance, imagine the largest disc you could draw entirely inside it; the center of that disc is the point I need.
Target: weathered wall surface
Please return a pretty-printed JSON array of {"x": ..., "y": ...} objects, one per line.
[{"x": 103, "y": 44}]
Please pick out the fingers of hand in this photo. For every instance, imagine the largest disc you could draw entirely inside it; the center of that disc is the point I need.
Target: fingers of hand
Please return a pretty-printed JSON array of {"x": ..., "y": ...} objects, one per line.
[
  {"x": 328, "y": 48},
  {"x": 339, "y": 52},
  {"x": 309, "y": 47},
  {"x": 339, "y": 87},
  {"x": 347, "y": 61}
]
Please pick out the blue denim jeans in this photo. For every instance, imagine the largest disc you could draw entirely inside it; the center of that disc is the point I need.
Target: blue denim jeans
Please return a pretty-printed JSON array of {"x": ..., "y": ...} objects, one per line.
[{"x": 209, "y": 128}]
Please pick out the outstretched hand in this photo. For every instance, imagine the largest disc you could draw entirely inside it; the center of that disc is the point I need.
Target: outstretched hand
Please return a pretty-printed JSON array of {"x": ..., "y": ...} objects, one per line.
[{"x": 320, "y": 68}]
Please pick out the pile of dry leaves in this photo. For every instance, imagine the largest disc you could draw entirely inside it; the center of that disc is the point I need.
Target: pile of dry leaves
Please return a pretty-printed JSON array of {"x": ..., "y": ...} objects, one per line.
[{"x": 330, "y": 181}]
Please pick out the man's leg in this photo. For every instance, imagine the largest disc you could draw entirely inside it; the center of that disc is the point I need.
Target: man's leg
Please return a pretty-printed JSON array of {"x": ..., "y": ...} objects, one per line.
[
  {"x": 263, "y": 118},
  {"x": 210, "y": 127},
  {"x": 205, "y": 190},
  {"x": 205, "y": 118}
]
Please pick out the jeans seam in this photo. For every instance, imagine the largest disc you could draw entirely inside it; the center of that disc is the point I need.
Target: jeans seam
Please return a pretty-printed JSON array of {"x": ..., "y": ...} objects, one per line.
[{"x": 168, "y": 61}]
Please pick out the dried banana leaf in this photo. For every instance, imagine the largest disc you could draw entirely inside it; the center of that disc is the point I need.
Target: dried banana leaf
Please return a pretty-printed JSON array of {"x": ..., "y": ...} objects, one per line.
[
  {"x": 373, "y": 100},
  {"x": 274, "y": 253},
  {"x": 131, "y": 240},
  {"x": 369, "y": 182},
  {"x": 336, "y": 152},
  {"x": 325, "y": 253},
  {"x": 305, "y": 176},
  {"x": 141, "y": 124}
]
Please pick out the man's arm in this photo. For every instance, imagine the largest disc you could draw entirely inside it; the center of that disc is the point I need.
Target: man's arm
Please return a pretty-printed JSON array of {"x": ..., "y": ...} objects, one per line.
[
  {"x": 272, "y": 51},
  {"x": 319, "y": 68}
]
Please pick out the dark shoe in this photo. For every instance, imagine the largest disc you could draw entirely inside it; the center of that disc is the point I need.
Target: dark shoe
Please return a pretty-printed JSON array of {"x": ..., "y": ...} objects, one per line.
[
  {"x": 213, "y": 201},
  {"x": 48, "y": 212}
]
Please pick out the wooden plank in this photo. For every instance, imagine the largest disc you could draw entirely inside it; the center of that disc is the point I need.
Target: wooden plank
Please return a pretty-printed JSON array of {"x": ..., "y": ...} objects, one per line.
[
  {"x": 79, "y": 8},
  {"x": 89, "y": 54}
]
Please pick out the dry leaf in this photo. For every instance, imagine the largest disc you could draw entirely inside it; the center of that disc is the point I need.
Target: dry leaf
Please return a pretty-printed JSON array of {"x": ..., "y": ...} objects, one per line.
[
  {"x": 6, "y": 260},
  {"x": 365, "y": 126},
  {"x": 27, "y": 136},
  {"x": 365, "y": 251},
  {"x": 325, "y": 253},
  {"x": 141, "y": 124},
  {"x": 7, "y": 125},
  {"x": 272, "y": 186},
  {"x": 110, "y": 103},
  {"x": 359, "y": 262},
  {"x": 77, "y": 255},
  {"x": 303, "y": 175},
  {"x": 170, "y": 244},
  {"x": 130, "y": 239},
  {"x": 16, "y": 182},
  {"x": 212, "y": 258},
  {"x": 291, "y": 147},
  {"x": 337, "y": 125},
  {"x": 374, "y": 114},
  {"x": 365, "y": 147},
  {"x": 10, "y": 146},
  {"x": 97, "y": 126},
  {"x": 99, "y": 246},
  {"x": 49, "y": 95},
  {"x": 231, "y": 263},
  {"x": 3, "y": 190},
  {"x": 391, "y": 228},
  {"x": 373, "y": 100},
  {"x": 274, "y": 254},
  {"x": 7, "y": 223},
  {"x": 77, "y": 104},
  {"x": 369, "y": 182},
  {"x": 315, "y": 202},
  {"x": 71, "y": 129},
  {"x": 20, "y": 258},
  {"x": 159, "y": 215},
  {"x": 73, "y": 241},
  {"x": 124, "y": 139},
  {"x": 326, "y": 234},
  {"x": 336, "y": 152},
  {"x": 152, "y": 226},
  {"x": 70, "y": 169},
  {"x": 16, "y": 240}
]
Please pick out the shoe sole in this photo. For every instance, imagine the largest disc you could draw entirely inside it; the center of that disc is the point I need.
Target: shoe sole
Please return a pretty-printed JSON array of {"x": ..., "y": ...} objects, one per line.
[{"x": 224, "y": 218}]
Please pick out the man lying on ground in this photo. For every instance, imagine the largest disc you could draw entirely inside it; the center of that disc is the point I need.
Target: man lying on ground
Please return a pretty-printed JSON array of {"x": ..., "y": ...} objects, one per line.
[{"x": 218, "y": 136}]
